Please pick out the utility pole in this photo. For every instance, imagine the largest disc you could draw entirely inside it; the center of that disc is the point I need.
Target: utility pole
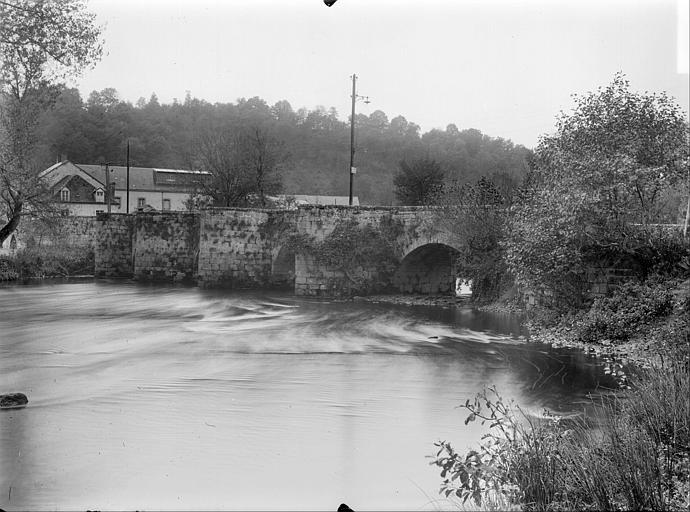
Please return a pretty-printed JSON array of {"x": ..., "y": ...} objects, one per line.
[
  {"x": 107, "y": 186},
  {"x": 127, "y": 176},
  {"x": 353, "y": 169}
]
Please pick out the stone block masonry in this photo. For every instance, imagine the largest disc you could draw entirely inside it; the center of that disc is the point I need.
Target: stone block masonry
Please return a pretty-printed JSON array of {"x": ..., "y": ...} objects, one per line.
[
  {"x": 113, "y": 245},
  {"x": 247, "y": 248},
  {"x": 166, "y": 246},
  {"x": 234, "y": 250},
  {"x": 71, "y": 231}
]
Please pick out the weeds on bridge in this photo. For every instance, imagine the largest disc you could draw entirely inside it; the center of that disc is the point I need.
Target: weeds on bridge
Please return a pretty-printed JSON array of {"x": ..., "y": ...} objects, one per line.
[{"x": 367, "y": 255}]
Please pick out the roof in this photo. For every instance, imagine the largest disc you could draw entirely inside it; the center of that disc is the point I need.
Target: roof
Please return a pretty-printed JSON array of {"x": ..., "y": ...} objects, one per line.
[
  {"x": 145, "y": 178},
  {"x": 51, "y": 168}
]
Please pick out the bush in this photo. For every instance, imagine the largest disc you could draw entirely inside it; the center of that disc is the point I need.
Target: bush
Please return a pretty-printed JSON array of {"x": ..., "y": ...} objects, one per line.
[
  {"x": 7, "y": 270},
  {"x": 636, "y": 457},
  {"x": 53, "y": 260},
  {"x": 631, "y": 307}
]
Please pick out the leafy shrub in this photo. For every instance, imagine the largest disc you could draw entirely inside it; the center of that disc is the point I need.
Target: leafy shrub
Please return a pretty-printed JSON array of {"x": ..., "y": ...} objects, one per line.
[
  {"x": 637, "y": 457},
  {"x": 54, "y": 260},
  {"x": 477, "y": 215},
  {"x": 516, "y": 458},
  {"x": 618, "y": 317},
  {"x": 7, "y": 270}
]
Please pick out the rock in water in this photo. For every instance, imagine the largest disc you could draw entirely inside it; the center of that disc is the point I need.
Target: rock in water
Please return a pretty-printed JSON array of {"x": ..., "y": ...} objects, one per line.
[
  {"x": 13, "y": 400},
  {"x": 344, "y": 508}
]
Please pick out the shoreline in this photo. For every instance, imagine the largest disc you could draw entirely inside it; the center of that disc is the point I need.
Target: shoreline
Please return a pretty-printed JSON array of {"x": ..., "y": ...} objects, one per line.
[
  {"x": 637, "y": 352},
  {"x": 445, "y": 301}
]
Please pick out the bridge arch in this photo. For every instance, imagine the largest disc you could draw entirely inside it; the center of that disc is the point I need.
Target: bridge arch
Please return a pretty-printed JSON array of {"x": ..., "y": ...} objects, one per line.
[
  {"x": 427, "y": 267},
  {"x": 283, "y": 268}
]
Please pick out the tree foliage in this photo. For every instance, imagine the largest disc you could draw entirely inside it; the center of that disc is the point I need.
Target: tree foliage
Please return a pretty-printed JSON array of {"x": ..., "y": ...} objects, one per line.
[
  {"x": 40, "y": 43},
  {"x": 477, "y": 213},
  {"x": 598, "y": 186},
  {"x": 97, "y": 128},
  {"x": 419, "y": 183},
  {"x": 244, "y": 165}
]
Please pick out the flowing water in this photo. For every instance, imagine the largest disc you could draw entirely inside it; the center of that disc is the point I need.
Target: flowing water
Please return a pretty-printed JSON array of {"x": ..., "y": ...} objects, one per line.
[{"x": 154, "y": 397}]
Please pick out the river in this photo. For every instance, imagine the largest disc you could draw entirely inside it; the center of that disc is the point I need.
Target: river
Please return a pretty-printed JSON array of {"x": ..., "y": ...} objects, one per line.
[{"x": 164, "y": 397}]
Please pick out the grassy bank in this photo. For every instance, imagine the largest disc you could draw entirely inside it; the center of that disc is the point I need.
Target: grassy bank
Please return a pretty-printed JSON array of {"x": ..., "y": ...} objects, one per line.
[
  {"x": 634, "y": 455},
  {"x": 58, "y": 260}
]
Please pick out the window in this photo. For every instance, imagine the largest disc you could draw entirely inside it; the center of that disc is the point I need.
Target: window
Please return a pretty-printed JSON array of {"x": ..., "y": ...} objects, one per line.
[
  {"x": 117, "y": 200},
  {"x": 141, "y": 202},
  {"x": 99, "y": 195},
  {"x": 64, "y": 195},
  {"x": 166, "y": 204}
]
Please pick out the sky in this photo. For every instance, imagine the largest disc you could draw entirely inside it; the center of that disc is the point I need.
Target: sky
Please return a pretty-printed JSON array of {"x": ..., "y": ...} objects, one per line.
[{"x": 504, "y": 67}]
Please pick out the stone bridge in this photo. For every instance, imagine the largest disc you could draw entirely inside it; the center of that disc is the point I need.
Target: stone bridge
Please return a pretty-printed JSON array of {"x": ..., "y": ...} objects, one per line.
[{"x": 248, "y": 248}]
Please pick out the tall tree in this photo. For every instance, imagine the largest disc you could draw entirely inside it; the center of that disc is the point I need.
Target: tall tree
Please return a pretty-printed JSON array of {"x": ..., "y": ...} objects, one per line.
[
  {"x": 598, "y": 184},
  {"x": 41, "y": 42},
  {"x": 419, "y": 183},
  {"x": 244, "y": 164}
]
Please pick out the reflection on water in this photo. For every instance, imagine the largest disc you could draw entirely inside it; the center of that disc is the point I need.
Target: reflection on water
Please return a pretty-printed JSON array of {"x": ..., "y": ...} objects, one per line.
[{"x": 156, "y": 397}]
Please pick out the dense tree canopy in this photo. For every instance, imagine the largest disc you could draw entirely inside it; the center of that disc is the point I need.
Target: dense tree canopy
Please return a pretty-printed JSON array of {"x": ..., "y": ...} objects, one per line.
[
  {"x": 419, "y": 183},
  {"x": 610, "y": 172},
  {"x": 315, "y": 143}
]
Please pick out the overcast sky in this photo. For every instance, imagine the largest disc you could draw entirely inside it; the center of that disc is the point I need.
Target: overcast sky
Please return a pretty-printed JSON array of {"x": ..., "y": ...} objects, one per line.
[{"x": 504, "y": 67}]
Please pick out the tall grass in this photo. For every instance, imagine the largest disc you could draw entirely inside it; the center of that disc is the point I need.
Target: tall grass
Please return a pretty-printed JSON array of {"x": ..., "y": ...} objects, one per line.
[{"x": 636, "y": 456}]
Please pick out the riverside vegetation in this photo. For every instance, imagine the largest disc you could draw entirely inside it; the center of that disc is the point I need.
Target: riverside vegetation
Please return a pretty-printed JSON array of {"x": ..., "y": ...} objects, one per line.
[
  {"x": 597, "y": 196},
  {"x": 39, "y": 261}
]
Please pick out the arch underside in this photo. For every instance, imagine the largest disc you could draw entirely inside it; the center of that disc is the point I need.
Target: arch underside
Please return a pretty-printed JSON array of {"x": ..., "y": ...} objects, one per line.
[
  {"x": 428, "y": 269},
  {"x": 283, "y": 269}
]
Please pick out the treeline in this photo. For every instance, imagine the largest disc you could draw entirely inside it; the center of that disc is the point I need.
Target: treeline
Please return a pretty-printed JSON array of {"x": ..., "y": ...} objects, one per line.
[{"x": 312, "y": 146}]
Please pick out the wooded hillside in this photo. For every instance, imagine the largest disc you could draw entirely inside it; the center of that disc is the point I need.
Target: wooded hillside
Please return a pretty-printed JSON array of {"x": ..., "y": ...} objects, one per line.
[{"x": 314, "y": 144}]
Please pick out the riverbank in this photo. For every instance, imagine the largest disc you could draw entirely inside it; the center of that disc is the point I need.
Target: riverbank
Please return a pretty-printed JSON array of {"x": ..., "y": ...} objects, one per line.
[
  {"x": 444, "y": 301},
  {"x": 639, "y": 457},
  {"x": 657, "y": 325},
  {"x": 650, "y": 319}
]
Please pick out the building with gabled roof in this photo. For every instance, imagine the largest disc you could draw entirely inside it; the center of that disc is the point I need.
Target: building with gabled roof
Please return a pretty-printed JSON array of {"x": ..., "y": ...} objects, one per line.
[{"x": 82, "y": 188}]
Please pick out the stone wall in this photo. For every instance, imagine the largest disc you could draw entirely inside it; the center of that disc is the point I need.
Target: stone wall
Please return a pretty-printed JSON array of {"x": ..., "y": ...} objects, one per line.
[
  {"x": 113, "y": 245},
  {"x": 166, "y": 246},
  {"x": 247, "y": 248},
  {"x": 429, "y": 272},
  {"x": 234, "y": 250},
  {"x": 80, "y": 231},
  {"x": 73, "y": 231},
  {"x": 313, "y": 278}
]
